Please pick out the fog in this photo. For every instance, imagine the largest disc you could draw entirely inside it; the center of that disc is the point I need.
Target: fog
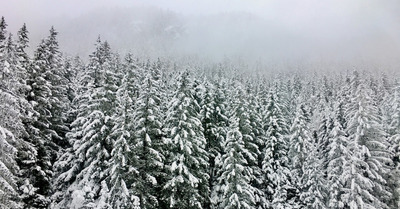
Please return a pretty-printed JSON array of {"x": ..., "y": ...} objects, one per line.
[{"x": 270, "y": 30}]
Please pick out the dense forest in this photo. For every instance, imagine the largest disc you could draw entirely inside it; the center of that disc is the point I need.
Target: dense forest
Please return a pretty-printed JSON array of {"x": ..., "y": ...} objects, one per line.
[{"x": 112, "y": 131}]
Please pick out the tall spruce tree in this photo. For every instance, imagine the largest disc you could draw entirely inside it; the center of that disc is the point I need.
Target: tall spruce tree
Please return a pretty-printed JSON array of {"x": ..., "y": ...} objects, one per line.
[
  {"x": 147, "y": 151},
  {"x": 313, "y": 192},
  {"x": 236, "y": 172},
  {"x": 275, "y": 165},
  {"x": 240, "y": 116},
  {"x": 337, "y": 156},
  {"x": 123, "y": 171},
  {"x": 209, "y": 125},
  {"x": 11, "y": 127},
  {"x": 215, "y": 123},
  {"x": 46, "y": 127},
  {"x": 365, "y": 185},
  {"x": 245, "y": 109},
  {"x": 299, "y": 144},
  {"x": 22, "y": 45},
  {"x": 8, "y": 170},
  {"x": 187, "y": 177},
  {"x": 3, "y": 30},
  {"x": 84, "y": 176},
  {"x": 394, "y": 140},
  {"x": 38, "y": 169},
  {"x": 59, "y": 98}
]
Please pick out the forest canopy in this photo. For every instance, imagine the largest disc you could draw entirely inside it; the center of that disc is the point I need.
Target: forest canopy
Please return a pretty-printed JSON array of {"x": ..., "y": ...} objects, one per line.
[{"x": 116, "y": 131}]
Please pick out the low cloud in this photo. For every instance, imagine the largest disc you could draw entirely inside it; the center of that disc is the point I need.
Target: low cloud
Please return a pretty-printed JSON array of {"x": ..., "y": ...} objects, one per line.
[{"x": 268, "y": 30}]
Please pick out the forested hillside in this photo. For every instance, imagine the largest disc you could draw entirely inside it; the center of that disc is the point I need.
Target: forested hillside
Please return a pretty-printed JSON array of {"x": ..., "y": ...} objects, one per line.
[{"x": 112, "y": 131}]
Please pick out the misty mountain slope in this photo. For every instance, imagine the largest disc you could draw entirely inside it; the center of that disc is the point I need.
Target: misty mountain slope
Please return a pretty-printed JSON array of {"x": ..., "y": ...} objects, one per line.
[{"x": 273, "y": 31}]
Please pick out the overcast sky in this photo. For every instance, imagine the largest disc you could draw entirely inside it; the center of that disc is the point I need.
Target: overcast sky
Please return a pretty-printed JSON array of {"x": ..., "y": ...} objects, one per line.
[{"x": 283, "y": 28}]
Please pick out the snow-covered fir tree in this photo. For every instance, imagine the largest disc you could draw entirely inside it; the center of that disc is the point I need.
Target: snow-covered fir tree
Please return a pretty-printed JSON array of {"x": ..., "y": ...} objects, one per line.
[
  {"x": 45, "y": 128},
  {"x": 187, "y": 159},
  {"x": 123, "y": 171},
  {"x": 59, "y": 98},
  {"x": 337, "y": 156},
  {"x": 39, "y": 169},
  {"x": 313, "y": 184},
  {"x": 147, "y": 148},
  {"x": 8, "y": 177},
  {"x": 83, "y": 178},
  {"x": 215, "y": 122},
  {"x": 236, "y": 172},
  {"x": 299, "y": 143},
  {"x": 394, "y": 141},
  {"x": 370, "y": 160},
  {"x": 246, "y": 110},
  {"x": 3, "y": 29},
  {"x": 22, "y": 45},
  {"x": 11, "y": 126},
  {"x": 275, "y": 165}
]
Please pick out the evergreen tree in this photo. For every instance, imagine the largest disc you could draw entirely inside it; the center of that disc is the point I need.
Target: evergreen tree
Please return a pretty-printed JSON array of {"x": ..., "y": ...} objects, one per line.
[
  {"x": 313, "y": 194},
  {"x": 275, "y": 163},
  {"x": 365, "y": 185},
  {"x": 236, "y": 172},
  {"x": 147, "y": 151},
  {"x": 187, "y": 177},
  {"x": 122, "y": 171},
  {"x": 238, "y": 113},
  {"x": 12, "y": 88},
  {"x": 11, "y": 69},
  {"x": 251, "y": 129},
  {"x": 22, "y": 45},
  {"x": 337, "y": 156},
  {"x": 59, "y": 86},
  {"x": 11, "y": 127},
  {"x": 257, "y": 134},
  {"x": 215, "y": 124},
  {"x": 83, "y": 178},
  {"x": 36, "y": 162},
  {"x": 46, "y": 127},
  {"x": 394, "y": 140},
  {"x": 8, "y": 170},
  {"x": 14, "y": 111},
  {"x": 73, "y": 68},
  {"x": 131, "y": 71},
  {"x": 299, "y": 144},
  {"x": 3, "y": 30}
]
